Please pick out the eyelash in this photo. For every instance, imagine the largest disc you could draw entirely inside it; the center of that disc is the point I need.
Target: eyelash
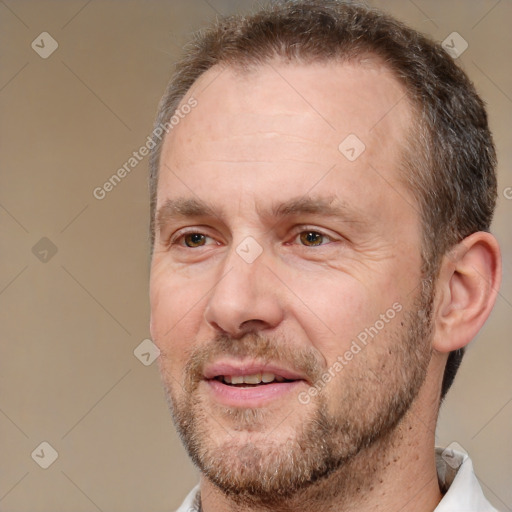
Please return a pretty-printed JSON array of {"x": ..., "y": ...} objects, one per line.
[{"x": 177, "y": 239}]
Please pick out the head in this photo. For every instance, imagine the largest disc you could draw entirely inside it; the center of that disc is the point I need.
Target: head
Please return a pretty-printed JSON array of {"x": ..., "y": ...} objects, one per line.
[{"x": 278, "y": 93}]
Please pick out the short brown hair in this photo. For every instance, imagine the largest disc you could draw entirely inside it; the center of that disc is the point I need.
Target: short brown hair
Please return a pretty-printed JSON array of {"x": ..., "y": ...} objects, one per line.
[{"x": 449, "y": 159}]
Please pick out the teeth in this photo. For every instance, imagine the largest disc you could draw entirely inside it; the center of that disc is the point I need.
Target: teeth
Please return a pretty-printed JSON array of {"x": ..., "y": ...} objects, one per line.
[
  {"x": 252, "y": 379},
  {"x": 257, "y": 378}
]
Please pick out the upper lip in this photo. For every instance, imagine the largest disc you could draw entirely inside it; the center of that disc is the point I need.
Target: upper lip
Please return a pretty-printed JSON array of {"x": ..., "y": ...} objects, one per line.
[{"x": 221, "y": 368}]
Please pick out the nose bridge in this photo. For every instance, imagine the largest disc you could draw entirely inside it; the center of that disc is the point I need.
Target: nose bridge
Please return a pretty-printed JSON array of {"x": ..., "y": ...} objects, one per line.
[{"x": 243, "y": 292}]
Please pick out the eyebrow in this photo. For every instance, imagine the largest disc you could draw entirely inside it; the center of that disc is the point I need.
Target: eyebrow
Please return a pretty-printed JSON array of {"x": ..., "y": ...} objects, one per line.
[
  {"x": 189, "y": 207},
  {"x": 183, "y": 207},
  {"x": 330, "y": 206}
]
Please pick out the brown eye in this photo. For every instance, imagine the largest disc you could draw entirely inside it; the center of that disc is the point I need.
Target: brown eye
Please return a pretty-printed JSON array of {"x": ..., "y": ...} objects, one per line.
[
  {"x": 311, "y": 238},
  {"x": 194, "y": 239}
]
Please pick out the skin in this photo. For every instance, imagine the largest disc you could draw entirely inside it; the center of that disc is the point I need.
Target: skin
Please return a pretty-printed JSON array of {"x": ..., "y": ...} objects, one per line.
[{"x": 253, "y": 142}]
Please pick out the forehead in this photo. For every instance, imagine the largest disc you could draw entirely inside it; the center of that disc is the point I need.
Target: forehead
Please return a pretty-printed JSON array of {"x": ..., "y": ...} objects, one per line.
[
  {"x": 361, "y": 97},
  {"x": 288, "y": 123}
]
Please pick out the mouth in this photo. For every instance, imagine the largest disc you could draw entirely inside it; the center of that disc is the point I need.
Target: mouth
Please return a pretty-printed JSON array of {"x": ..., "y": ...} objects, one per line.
[
  {"x": 250, "y": 381},
  {"x": 250, "y": 384}
]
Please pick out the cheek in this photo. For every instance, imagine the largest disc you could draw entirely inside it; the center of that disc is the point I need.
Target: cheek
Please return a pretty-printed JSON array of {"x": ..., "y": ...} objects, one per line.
[
  {"x": 175, "y": 319},
  {"x": 175, "y": 305},
  {"x": 338, "y": 311}
]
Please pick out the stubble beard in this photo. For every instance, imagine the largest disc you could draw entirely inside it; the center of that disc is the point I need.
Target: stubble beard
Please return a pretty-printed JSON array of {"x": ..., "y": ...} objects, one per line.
[{"x": 254, "y": 469}]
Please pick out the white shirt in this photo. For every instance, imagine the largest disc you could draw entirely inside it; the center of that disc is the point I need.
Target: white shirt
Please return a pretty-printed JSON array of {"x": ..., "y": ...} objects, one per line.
[{"x": 456, "y": 478}]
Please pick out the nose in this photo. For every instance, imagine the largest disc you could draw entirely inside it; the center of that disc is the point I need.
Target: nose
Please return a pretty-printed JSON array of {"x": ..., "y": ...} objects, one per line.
[{"x": 246, "y": 297}]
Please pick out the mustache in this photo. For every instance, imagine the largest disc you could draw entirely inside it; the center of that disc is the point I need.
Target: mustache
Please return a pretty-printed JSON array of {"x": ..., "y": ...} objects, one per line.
[{"x": 268, "y": 349}]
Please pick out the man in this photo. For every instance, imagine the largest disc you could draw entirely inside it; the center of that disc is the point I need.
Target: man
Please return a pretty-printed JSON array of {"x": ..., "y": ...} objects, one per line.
[{"x": 321, "y": 257}]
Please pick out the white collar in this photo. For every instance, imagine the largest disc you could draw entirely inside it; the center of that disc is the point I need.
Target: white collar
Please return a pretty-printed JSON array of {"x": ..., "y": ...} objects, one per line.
[{"x": 455, "y": 473}]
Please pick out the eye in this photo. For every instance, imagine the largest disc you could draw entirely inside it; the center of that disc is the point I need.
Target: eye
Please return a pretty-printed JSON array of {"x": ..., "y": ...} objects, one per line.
[
  {"x": 194, "y": 239},
  {"x": 191, "y": 240},
  {"x": 311, "y": 238}
]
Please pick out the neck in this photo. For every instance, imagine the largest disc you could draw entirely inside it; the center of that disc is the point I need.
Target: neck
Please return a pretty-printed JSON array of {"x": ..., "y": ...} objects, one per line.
[{"x": 396, "y": 472}]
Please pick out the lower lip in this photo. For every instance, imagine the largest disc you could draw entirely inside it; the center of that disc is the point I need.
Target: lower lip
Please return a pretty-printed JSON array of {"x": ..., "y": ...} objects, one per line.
[{"x": 256, "y": 396}]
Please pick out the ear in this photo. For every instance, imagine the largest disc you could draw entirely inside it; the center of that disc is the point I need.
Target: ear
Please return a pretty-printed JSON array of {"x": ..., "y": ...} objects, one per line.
[{"x": 466, "y": 290}]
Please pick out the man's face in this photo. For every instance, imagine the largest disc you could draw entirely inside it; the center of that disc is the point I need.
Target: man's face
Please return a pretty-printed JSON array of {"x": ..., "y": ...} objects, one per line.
[{"x": 284, "y": 253}]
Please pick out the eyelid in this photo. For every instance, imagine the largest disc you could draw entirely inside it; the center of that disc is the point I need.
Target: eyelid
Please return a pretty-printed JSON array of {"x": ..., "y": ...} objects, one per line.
[{"x": 321, "y": 231}]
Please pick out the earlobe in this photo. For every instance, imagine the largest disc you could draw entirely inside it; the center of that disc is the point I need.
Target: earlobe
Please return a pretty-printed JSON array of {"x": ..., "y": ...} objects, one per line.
[{"x": 467, "y": 287}]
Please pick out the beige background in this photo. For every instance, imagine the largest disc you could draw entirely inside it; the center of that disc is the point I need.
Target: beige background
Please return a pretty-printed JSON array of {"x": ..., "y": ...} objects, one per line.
[{"x": 69, "y": 325}]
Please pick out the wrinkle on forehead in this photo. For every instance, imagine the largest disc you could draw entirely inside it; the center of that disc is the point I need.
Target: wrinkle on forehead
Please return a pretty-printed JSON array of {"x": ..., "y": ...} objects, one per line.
[{"x": 292, "y": 112}]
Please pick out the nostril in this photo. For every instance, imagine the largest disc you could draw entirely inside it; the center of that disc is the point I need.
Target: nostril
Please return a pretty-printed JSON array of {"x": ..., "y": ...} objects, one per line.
[
  {"x": 246, "y": 327},
  {"x": 253, "y": 325}
]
